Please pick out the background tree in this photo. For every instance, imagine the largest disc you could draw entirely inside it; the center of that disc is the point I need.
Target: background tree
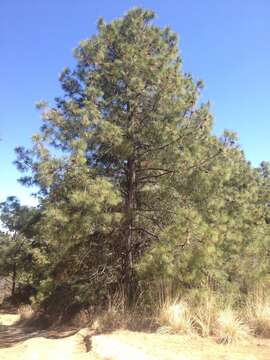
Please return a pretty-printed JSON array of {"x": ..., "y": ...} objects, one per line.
[{"x": 18, "y": 243}]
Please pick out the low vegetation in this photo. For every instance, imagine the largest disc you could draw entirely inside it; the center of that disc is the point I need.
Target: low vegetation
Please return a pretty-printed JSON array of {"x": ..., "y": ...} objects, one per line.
[
  {"x": 25, "y": 312},
  {"x": 258, "y": 314},
  {"x": 230, "y": 327},
  {"x": 174, "y": 317}
]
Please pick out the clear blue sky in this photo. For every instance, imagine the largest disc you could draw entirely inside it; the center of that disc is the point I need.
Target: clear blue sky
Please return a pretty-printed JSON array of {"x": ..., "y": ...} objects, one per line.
[{"x": 224, "y": 42}]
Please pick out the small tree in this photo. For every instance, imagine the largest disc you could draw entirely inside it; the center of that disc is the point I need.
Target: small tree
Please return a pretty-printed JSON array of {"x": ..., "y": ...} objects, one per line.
[{"x": 17, "y": 243}]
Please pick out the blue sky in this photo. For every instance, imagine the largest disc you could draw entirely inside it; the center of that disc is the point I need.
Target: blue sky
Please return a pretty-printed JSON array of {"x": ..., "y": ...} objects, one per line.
[{"x": 224, "y": 42}]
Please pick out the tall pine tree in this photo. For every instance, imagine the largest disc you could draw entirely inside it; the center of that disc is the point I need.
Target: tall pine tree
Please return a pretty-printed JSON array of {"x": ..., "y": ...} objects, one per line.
[{"x": 126, "y": 129}]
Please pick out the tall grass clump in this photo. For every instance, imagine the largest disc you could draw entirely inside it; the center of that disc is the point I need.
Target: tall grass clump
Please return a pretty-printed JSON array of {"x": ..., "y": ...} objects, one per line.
[
  {"x": 175, "y": 317},
  {"x": 258, "y": 313},
  {"x": 230, "y": 328},
  {"x": 206, "y": 313},
  {"x": 118, "y": 315},
  {"x": 25, "y": 312}
]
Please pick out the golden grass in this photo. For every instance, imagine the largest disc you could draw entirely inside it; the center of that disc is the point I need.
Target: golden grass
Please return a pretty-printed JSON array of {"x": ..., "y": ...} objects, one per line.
[
  {"x": 174, "y": 317},
  {"x": 230, "y": 328},
  {"x": 205, "y": 316},
  {"x": 110, "y": 320},
  {"x": 258, "y": 314},
  {"x": 25, "y": 312}
]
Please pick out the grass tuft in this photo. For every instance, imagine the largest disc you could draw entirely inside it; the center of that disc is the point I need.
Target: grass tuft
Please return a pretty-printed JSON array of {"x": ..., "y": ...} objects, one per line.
[
  {"x": 174, "y": 317},
  {"x": 231, "y": 328},
  {"x": 205, "y": 315},
  {"x": 258, "y": 314},
  {"x": 26, "y": 312}
]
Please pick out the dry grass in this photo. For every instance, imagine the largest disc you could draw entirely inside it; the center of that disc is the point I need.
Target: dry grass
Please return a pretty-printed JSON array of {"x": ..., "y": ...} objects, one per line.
[
  {"x": 116, "y": 316},
  {"x": 231, "y": 328},
  {"x": 258, "y": 314},
  {"x": 25, "y": 312},
  {"x": 82, "y": 318},
  {"x": 174, "y": 317},
  {"x": 111, "y": 320},
  {"x": 205, "y": 316},
  {"x": 119, "y": 316},
  {"x": 201, "y": 315}
]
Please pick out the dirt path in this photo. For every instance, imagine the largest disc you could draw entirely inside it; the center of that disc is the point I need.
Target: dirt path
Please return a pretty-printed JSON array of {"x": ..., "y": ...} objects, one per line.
[{"x": 21, "y": 343}]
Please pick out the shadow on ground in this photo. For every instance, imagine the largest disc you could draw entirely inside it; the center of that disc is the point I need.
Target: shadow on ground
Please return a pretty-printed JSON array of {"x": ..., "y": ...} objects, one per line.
[{"x": 13, "y": 331}]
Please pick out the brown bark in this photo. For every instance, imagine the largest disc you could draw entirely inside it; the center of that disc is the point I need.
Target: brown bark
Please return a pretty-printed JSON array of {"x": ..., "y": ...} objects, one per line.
[
  {"x": 130, "y": 212},
  {"x": 14, "y": 276}
]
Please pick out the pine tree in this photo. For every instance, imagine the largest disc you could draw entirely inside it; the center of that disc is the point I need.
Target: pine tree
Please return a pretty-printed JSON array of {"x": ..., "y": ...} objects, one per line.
[
  {"x": 16, "y": 244},
  {"x": 128, "y": 128},
  {"x": 133, "y": 184}
]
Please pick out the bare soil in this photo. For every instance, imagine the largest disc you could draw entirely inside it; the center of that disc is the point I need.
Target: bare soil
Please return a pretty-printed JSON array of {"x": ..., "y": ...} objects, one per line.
[{"x": 18, "y": 342}]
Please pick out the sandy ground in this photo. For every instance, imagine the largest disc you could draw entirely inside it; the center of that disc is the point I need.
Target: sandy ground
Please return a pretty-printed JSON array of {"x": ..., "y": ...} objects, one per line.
[
  {"x": 20, "y": 343},
  {"x": 176, "y": 347}
]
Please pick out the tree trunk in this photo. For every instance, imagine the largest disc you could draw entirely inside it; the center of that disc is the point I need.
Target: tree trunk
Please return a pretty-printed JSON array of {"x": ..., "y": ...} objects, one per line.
[
  {"x": 130, "y": 207},
  {"x": 14, "y": 276}
]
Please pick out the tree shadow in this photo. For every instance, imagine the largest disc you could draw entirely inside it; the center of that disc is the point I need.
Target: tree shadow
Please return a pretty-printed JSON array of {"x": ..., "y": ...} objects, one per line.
[
  {"x": 9, "y": 310},
  {"x": 11, "y": 335}
]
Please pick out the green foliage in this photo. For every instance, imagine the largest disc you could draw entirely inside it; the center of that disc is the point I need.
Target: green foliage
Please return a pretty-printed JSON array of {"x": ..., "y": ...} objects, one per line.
[
  {"x": 134, "y": 188},
  {"x": 22, "y": 254}
]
